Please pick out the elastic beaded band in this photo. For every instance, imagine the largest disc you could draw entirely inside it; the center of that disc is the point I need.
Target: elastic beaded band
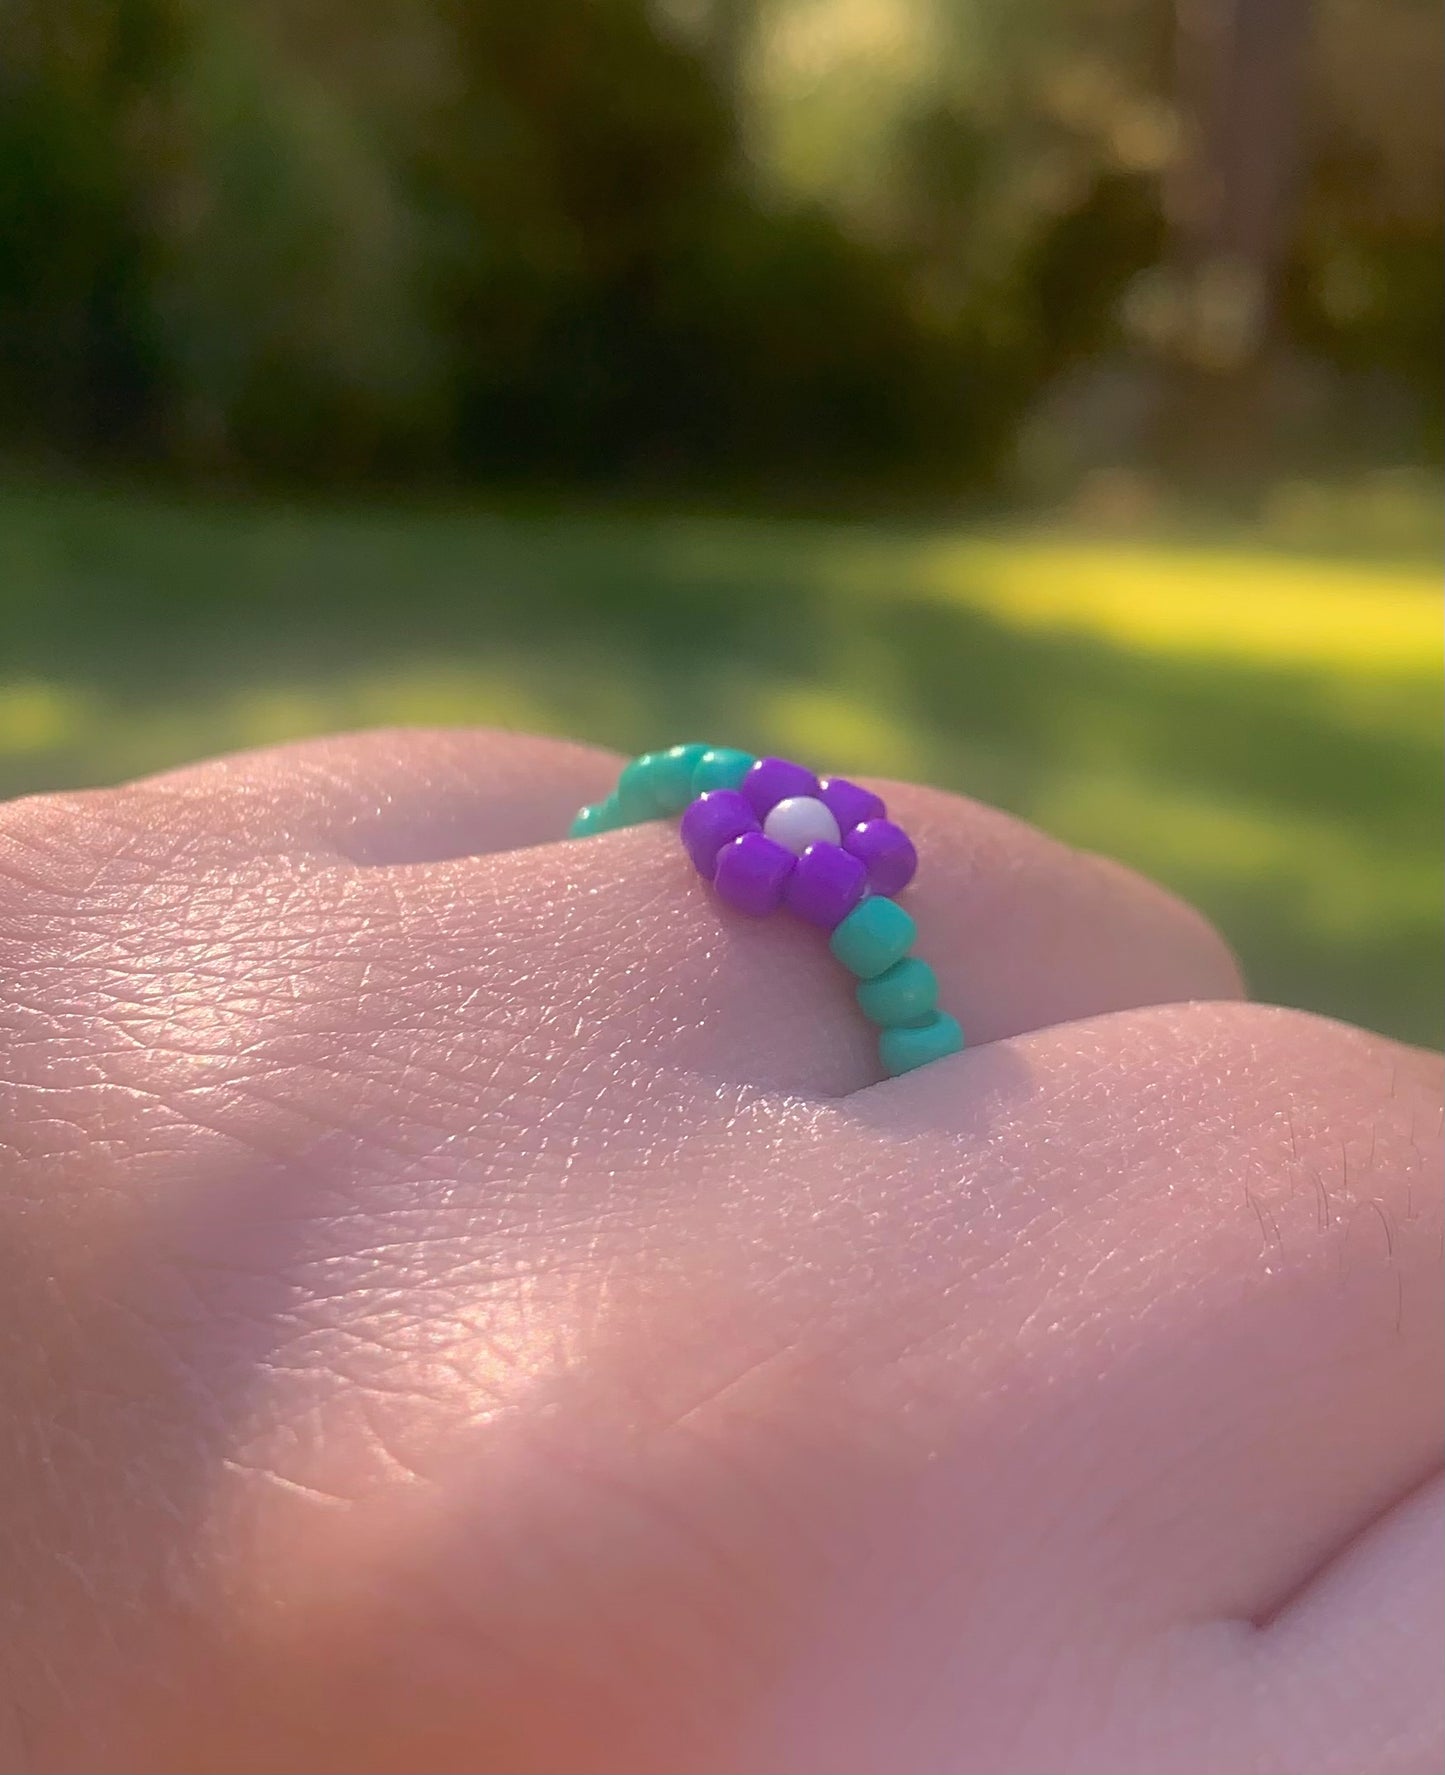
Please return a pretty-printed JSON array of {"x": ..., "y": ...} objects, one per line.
[{"x": 768, "y": 834}]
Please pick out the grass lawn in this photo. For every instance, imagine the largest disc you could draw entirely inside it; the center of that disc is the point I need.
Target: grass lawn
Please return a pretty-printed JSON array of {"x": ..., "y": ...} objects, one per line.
[{"x": 1259, "y": 729}]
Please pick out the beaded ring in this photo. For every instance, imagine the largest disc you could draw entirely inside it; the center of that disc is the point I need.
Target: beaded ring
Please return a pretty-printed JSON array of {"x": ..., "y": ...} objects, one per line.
[{"x": 769, "y": 835}]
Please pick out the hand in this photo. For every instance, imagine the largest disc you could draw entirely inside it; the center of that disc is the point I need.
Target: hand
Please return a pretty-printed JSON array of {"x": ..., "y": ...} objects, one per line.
[{"x": 468, "y": 1306}]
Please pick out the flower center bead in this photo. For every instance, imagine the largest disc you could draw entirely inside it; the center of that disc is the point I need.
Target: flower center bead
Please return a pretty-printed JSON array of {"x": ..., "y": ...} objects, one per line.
[{"x": 799, "y": 821}]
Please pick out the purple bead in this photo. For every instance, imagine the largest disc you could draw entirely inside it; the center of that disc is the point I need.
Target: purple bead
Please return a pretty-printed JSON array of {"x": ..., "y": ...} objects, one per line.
[
  {"x": 713, "y": 820},
  {"x": 826, "y": 885},
  {"x": 849, "y": 804},
  {"x": 886, "y": 851},
  {"x": 752, "y": 873},
  {"x": 772, "y": 780}
]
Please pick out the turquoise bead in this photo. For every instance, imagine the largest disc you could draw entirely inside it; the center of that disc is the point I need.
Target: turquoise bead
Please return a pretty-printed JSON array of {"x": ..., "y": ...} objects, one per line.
[
  {"x": 637, "y": 789},
  {"x": 916, "y": 1044},
  {"x": 720, "y": 767},
  {"x": 587, "y": 823},
  {"x": 874, "y": 935},
  {"x": 672, "y": 773},
  {"x": 610, "y": 817},
  {"x": 905, "y": 993}
]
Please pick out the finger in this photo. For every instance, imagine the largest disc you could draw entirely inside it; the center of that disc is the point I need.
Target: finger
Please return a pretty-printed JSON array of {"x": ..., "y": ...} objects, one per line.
[
  {"x": 1027, "y": 932},
  {"x": 413, "y": 795},
  {"x": 1222, "y": 1267},
  {"x": 1129, "y": 1286},
  {"x": 613, "y": 947},
  {"x": 391, "y": 795},
  {"x": 617, "y": 940}
]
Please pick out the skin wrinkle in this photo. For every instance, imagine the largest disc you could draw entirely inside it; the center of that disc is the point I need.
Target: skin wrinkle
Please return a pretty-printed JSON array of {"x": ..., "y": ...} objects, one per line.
[{"x": 1302, "y": 1634}]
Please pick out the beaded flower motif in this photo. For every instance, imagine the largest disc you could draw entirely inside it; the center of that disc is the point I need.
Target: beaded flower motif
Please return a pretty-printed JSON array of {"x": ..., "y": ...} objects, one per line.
[
  {"x": 768, "y": 834},
  {"x": 782, "y": 837},
  {"x": 764, "y": 831}
]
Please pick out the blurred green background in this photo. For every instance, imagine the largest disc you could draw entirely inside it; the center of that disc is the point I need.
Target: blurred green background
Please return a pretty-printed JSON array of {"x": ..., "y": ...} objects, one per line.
[{"x": 1039, "y": 397}]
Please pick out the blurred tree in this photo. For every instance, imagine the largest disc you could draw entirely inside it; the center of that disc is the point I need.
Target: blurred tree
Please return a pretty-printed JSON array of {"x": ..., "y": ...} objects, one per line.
[
  {"x": 564, "y": 173},
  {"x": 1229, "y": 201},
  {"x": 75, "y": 347},
  {"x": 791, "y": 244},
  {"x": 1365, "y": 287},
  {"x": 204, "y": 257},
  {"x": 1008, "y": 153},
  {"x": 287, "y": 264}
]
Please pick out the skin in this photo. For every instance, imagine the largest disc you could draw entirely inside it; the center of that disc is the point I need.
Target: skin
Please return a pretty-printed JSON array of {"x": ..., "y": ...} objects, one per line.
[{"x": 469, "y": 1305}]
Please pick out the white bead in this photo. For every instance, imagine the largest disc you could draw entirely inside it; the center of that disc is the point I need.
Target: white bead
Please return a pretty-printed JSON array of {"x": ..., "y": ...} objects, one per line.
[{"x": 799, "y": 821}]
